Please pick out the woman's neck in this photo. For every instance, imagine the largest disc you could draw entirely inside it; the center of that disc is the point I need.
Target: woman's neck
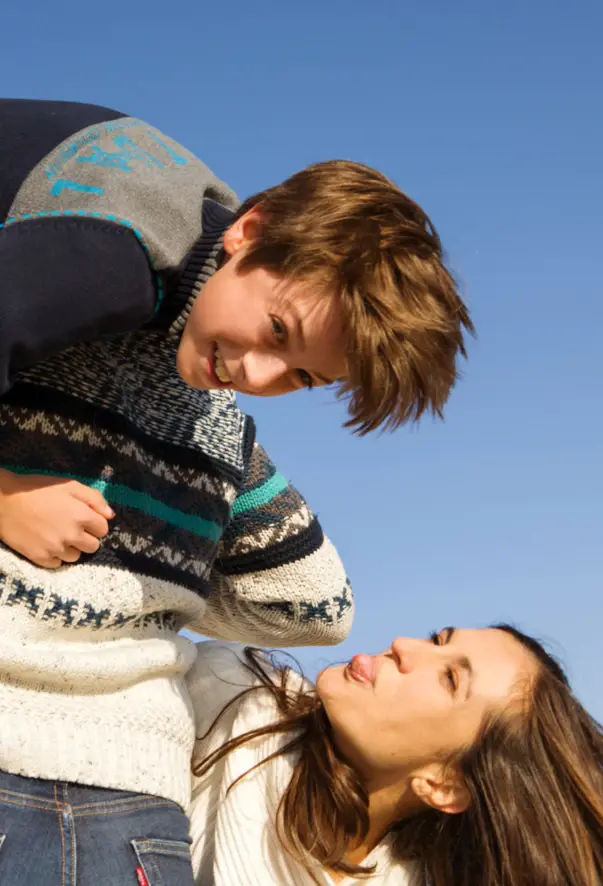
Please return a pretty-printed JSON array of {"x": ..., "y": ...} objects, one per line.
[{"x": 387, "y": 805}]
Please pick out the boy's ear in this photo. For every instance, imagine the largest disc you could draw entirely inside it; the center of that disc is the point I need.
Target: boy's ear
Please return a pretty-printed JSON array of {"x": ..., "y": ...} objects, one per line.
[
  {"x": 442, "y": 789},
  {"x": 243, "y": 232}
]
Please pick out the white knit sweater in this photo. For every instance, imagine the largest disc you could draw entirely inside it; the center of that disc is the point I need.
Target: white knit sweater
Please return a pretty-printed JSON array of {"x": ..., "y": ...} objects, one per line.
[{"x": 234, "y": 837}]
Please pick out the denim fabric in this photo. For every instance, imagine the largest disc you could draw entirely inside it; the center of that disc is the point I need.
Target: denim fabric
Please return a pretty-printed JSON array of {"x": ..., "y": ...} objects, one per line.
[{"x": 58, "y": 834}]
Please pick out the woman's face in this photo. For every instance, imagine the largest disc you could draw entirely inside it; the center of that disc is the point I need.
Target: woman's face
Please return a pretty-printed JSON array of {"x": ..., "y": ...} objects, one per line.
[{"x": 421, "y": 700}]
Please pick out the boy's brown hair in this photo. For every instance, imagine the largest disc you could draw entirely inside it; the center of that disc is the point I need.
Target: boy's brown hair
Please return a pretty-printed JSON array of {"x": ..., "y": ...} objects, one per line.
[{"x": 350, "y": 230}]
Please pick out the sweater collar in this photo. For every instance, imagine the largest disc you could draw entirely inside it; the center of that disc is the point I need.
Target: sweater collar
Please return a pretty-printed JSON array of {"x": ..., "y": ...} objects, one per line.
[{"x": 202, "y": 262}]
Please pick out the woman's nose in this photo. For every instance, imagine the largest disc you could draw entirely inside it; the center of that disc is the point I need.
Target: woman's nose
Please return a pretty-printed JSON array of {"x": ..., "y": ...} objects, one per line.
[{"x": 409, "y": 652}]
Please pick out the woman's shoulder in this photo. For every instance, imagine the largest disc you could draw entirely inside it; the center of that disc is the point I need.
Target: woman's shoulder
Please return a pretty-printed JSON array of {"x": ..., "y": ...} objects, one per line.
[
  {"x": 396, "y": 872},
  {"x": 213, "y": 654},
  {"x": 218, "y": 675},
  {"x": 224, "y": 671}
]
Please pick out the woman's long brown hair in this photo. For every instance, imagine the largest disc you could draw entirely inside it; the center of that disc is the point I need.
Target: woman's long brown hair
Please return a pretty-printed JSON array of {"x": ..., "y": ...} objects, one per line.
[{"x": 535, "y": 778}]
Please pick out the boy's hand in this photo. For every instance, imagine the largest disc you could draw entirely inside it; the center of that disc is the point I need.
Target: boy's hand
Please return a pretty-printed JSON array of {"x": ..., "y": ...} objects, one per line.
[{"x": 51, "y": 520}]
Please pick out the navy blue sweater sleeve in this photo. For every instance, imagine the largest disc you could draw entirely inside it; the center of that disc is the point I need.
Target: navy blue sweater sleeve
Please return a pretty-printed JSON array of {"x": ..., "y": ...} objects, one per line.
[{"x": 66, "y": 280}]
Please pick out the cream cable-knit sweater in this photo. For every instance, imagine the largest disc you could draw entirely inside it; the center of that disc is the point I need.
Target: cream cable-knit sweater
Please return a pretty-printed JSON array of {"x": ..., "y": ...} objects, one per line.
[{"x": 234, "y": 838}]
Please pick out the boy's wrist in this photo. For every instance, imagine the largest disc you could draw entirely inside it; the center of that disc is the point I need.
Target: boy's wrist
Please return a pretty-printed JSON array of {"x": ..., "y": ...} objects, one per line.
[
  {"x": 5, "y": 478},
  {"x": 6, "y": 481},
  {"x": 7, "y": 486}
]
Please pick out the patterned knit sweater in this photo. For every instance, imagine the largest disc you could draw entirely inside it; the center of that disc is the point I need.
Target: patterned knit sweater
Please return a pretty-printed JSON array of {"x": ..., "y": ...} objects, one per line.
[{"x": 208, "y": 535}]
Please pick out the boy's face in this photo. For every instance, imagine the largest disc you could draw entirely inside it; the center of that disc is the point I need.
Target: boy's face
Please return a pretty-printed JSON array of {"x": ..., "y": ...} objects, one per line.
[{"x": 255, "y": 334}]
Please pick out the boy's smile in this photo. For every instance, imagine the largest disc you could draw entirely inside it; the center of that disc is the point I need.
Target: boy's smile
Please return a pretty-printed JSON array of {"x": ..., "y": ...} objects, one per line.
[
  {"x": 251, "y": 332},
  {"x": 219, "y": 368}
]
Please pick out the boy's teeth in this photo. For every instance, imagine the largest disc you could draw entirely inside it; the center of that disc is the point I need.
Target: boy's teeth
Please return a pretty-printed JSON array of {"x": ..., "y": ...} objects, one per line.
[{"x": 220, "y": 369}]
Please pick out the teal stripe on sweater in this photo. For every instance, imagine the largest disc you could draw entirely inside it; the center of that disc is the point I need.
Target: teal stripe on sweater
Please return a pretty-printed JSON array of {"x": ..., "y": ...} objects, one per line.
[
  {"x": 255, "y": 498},
  {"x": 115, "y": 493}
]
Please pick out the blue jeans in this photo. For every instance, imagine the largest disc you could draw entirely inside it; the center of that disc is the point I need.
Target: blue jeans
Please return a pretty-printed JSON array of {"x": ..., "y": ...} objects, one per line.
[{"x": 58, "y": 834}]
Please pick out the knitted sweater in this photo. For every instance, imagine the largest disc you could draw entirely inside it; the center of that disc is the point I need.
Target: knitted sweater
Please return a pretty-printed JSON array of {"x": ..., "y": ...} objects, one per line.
[
  {"x": 208, "y": 535},
  {"x": 234, "y": 834}
]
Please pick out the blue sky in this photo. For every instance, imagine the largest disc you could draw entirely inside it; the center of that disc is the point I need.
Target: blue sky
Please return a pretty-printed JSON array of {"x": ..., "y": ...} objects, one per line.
[{"x": 490, "y": 116}]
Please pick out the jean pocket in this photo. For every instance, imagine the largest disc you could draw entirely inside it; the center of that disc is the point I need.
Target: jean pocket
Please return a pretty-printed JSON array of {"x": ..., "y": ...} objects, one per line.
[{"x": 163, "y": 862}]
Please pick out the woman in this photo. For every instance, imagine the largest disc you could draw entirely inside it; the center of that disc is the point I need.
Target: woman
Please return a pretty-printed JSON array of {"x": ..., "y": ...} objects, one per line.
[{"x": 461, "y": 760}]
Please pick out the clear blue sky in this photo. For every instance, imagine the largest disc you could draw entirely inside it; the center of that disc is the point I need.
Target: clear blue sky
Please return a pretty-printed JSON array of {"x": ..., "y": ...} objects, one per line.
[{"x": 491, "y": 116}]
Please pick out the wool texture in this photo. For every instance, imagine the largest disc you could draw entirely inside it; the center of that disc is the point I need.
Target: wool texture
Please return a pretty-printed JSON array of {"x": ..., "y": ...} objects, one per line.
[{"x": 208, "y": 535}]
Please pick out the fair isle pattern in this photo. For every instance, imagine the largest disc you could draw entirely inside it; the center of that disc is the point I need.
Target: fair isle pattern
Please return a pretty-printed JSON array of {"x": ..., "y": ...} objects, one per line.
[
  {"x": 71, "y": 613},
  {"x": 272, "y": 532},
  {"x": 102, "y": 632},
  {"x": 94, "y": 596},
  {"x": 91, "y": 652},
  {"x": 330, "y": 610},
  {"x": 275, "y": 513},
  {"x": 325, "y": 619},
  {"x": 81, "y": 433},
  {"x": 168, "y": 523},
  {"x": 126, "y": 497},
  {"x": 169, "y": 458},
  {"x": 134, "y": 377}
]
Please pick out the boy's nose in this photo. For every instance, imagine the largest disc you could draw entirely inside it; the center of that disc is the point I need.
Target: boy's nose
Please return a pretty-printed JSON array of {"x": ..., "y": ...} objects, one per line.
[{"x": 261, "y": 371}]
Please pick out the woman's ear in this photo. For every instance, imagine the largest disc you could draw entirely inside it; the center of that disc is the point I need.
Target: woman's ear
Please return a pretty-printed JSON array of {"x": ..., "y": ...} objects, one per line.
[
  {"x": 243, "y": 232},
  {"x": 442, "y": 789}
]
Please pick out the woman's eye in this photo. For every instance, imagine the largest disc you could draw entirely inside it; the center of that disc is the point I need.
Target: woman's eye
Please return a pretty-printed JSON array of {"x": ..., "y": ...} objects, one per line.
[
  {"x": 279, "y": 329},
  {"x": 305, "y": 378},
  {"x": 451, "y": 677},
  {"x": 449, "y": 674}
]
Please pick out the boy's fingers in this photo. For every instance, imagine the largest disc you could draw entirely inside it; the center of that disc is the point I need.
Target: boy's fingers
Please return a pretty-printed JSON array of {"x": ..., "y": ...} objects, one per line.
[
  {"x": 95, "y": 524},
  {"x": 94, "y": 499},
  {"x": 70, "y": 555},
  {"x": 88, "y": 544},
  {"x": 48, "y": 562}
]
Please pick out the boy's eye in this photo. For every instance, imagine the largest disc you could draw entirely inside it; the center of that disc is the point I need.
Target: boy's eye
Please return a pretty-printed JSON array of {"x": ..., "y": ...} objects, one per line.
[
  {"x": 305, "y": 378},
  {"x": 436, "y": 638},
  {"x": 279, "y": 330}
]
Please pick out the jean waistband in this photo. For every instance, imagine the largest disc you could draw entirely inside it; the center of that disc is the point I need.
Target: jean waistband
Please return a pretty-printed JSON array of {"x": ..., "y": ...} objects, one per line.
[{"x": 51, "y": 795}]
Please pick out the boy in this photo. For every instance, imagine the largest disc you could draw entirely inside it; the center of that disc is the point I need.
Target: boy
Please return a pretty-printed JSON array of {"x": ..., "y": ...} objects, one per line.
[{"x": 118, "y": 420}]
